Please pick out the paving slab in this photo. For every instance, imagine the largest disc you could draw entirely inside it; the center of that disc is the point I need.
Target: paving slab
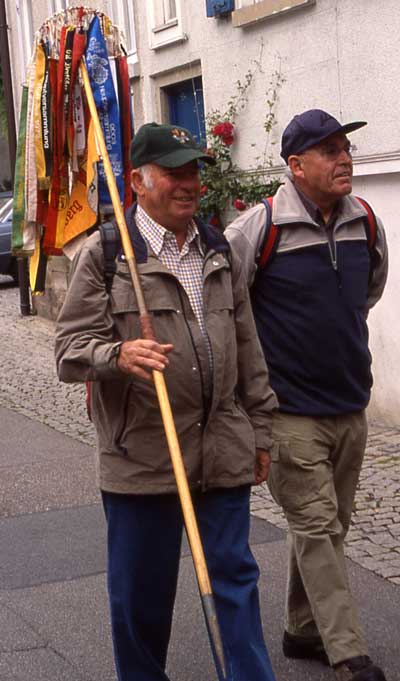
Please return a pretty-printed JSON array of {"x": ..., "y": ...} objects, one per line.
[
  {"x": 41, "y": 468},
  {"x": 51, "y": 547}
]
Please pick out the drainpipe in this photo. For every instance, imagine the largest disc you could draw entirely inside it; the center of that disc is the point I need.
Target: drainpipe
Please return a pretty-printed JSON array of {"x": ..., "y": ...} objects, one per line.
[{"x": 25, "y": 306}]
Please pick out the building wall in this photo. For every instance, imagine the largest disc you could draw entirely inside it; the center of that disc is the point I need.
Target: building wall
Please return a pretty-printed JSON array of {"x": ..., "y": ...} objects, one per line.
[
  {"x": 339, "y": 55},
  {"x": 382, "y": 192}
]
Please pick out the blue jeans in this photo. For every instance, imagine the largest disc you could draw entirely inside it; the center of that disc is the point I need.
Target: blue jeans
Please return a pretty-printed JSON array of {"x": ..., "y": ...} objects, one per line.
[{"x": 144, "y": 540}]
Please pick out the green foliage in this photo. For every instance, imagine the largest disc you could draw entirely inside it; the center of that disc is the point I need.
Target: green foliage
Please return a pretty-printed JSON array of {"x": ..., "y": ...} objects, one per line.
[{"x": 225, "y": 183}]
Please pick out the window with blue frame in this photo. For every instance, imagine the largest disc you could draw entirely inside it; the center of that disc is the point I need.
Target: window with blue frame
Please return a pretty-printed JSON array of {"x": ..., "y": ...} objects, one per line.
[{"x": 186, "y": 107}]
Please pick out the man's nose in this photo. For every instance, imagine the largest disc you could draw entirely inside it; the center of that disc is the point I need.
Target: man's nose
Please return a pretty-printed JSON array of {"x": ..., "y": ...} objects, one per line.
[{"x": 345, "y": 156}]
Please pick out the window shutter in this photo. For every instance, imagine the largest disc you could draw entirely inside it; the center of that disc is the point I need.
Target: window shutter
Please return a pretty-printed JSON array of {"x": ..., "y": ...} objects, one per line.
[{"x": 216, "y": 8}]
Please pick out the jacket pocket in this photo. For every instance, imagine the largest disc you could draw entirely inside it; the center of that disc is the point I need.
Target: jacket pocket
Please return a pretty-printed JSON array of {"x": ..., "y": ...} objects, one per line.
[
  {"x": 123, "y": 298},
  {"x": 274, "y": 477},
  {"x": 294, "y": 479},
  {"x": 235, "y": 447},
  {"x": 218, "y": 294},
  {"x": 126, "y": 315}
]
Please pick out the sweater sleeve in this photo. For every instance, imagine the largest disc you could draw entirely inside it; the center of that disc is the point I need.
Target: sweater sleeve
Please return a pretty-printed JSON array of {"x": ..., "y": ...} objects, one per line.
[
  {"x": 254, "y": 390},
  {"x": 246, "y": 235}
]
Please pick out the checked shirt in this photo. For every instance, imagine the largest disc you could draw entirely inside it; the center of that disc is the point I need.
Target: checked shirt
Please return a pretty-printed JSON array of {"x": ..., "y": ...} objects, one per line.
[{"x": 186, "y": 264}]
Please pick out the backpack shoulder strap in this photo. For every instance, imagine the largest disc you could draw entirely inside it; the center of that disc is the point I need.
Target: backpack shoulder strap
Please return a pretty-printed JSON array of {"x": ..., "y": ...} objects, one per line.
[
  {"x": 111, "y": 242},
  {"x": 271, "y": 237},
  {"x": 370, "y": 224}
]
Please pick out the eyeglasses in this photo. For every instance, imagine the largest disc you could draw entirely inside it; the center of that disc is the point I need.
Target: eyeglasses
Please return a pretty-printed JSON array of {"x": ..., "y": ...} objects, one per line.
[{"x": 332, "y": 151}]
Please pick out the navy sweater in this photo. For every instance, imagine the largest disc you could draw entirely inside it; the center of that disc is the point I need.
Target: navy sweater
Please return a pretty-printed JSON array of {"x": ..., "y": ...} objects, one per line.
[{"x": 311, "y": 322}]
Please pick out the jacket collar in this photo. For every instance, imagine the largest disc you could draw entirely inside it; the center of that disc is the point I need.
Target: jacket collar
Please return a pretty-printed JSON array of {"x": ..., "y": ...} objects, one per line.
[
  {"x": 210, "y": 237},
  {"x": 288, "y": 208}
]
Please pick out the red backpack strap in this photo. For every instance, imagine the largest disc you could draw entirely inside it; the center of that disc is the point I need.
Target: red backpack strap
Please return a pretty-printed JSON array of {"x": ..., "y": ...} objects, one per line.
[
  {"x": 271, "y": 236},
  {"x": 371, "y": 226}
]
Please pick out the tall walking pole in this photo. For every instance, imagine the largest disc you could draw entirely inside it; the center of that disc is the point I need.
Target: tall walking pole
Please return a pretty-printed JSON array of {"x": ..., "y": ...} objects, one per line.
[{"x": 162, "y": 394}]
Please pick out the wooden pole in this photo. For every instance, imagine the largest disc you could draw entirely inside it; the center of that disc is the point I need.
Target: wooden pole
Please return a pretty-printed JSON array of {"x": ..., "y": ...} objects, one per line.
[{"x": 162, "y": 394}]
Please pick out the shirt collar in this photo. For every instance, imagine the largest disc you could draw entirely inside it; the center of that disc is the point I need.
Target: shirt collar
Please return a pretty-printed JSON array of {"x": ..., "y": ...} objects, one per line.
[
  {"x": 313, "y": 210},
  {"x": 156, "y": 235}
]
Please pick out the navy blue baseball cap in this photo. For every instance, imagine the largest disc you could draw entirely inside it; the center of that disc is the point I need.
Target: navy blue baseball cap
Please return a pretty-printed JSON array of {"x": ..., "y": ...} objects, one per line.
[{"x": 310, "y": 128}]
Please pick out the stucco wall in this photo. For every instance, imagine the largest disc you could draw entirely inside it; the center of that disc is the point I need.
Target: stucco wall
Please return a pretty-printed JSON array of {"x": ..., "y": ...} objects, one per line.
[{"x": 382, "y": 191}]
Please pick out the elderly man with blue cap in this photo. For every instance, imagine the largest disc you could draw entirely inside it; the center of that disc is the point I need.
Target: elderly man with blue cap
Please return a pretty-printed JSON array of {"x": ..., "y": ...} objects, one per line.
[{"x": 316, "y": 261}]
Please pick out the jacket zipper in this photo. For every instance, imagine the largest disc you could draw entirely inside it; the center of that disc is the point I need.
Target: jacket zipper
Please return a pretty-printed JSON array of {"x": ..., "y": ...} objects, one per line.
[
  {"x": 194, "y": 349},
  {"x": 333, "y": 256}
]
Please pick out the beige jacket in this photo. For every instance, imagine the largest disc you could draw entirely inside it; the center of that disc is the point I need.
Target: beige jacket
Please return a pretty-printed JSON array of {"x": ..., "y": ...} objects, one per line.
[{"x": 220, "y": 418}]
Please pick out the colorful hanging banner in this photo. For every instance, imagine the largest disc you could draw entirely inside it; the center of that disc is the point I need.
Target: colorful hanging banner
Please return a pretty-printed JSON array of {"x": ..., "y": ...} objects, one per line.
[
  {"x": 125, "y": 107},
  {"x": 79, "y": 47},
  {"x": 82, "y": 208},
  {"x": 60, "y": 182},
  {"x": 43, "y": 179},
  {"x": 45, "y": 102},
  {"x": 107, "y": 105},
  {"x": 37, "y": 268},
  {"x": 31, "y": 187},
  {"x": 18, "y": 218}
]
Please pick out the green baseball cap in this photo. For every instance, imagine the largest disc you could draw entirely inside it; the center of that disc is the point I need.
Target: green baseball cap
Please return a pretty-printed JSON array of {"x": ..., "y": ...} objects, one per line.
[{"x": 169, "y": 146}]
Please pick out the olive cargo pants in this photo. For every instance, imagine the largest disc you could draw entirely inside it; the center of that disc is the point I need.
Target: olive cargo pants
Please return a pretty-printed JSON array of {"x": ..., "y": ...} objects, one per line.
[{"x": 316, "y": 462}]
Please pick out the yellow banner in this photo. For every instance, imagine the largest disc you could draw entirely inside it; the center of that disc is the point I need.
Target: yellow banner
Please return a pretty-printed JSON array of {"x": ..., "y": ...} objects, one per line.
[
  {"x": 81, "y": 213},
  {"x": 43, "y": 181}
]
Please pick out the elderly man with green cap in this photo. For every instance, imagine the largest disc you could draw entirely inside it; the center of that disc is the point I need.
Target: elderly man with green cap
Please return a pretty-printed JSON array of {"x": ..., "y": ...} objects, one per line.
[{"x": 218, "y": 384}]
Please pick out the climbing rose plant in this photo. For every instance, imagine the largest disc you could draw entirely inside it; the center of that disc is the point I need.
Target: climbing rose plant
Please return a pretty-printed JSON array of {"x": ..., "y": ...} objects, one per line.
[{"x": 225, "y": 184}]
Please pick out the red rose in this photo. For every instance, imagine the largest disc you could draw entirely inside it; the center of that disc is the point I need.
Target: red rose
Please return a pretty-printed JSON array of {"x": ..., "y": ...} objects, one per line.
[
  {"x": 225, "y": 131},
  {"x": 228, "y": 140},
  {"x": 227, "y": 128},
  {"x": 203, "y": 190},
  {"x": 218, "y": 129},
  {"x": 239, "y": 204}
]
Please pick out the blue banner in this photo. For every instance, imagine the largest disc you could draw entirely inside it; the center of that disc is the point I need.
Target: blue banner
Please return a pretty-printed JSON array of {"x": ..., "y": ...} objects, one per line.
[{"x": 103, "y": 89}]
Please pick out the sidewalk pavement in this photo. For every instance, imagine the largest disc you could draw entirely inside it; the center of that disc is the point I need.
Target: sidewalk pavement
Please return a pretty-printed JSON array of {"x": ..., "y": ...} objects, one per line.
[{"x": 53, "y": 608}]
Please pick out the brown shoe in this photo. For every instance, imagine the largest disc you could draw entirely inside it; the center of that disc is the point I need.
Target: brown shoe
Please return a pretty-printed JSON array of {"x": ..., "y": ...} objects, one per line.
[{"x": 358, "y": 669}]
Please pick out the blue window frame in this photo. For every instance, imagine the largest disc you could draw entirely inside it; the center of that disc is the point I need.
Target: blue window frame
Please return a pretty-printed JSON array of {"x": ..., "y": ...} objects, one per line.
[{"x": 186, "y": 107}]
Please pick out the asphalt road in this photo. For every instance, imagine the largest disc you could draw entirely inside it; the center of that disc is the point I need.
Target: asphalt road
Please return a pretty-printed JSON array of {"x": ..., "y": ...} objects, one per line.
[{"x": 54, "y": 616}]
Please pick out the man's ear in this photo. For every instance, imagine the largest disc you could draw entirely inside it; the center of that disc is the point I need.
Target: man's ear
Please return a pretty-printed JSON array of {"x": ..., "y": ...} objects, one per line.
[
  {"x": 295, "y": 164},
  {"x": 137, "y": 182}
]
